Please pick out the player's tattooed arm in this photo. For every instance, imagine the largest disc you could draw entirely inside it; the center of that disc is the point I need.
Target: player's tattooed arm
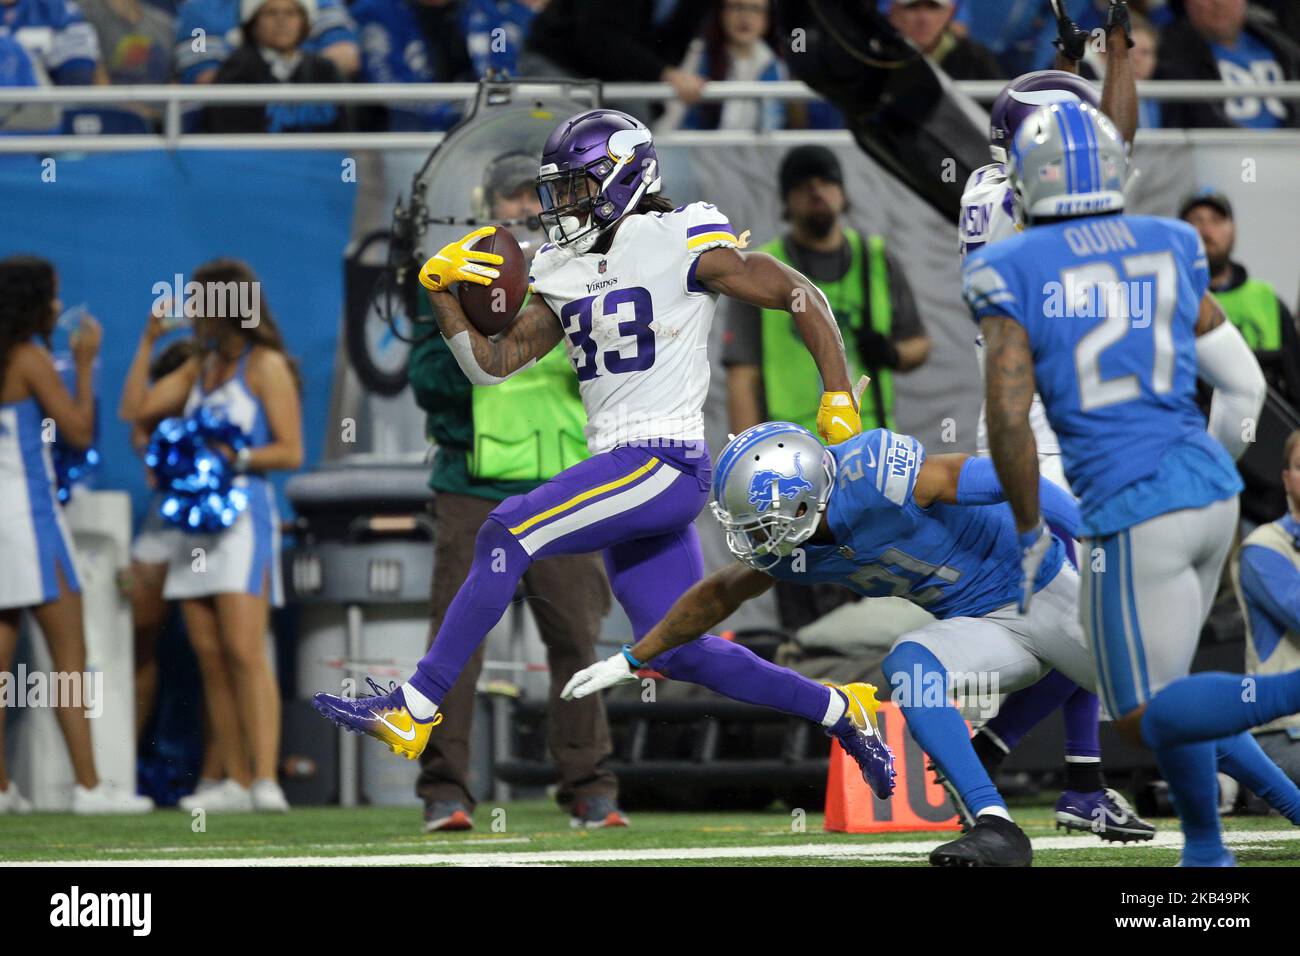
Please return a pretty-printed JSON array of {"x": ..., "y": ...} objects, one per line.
[
  {"x": 533, "y": 333},
  {"x": 764, "y": 281},
  {"x": 708, "y": 603},
  {"x": 1009, "y": 392}
]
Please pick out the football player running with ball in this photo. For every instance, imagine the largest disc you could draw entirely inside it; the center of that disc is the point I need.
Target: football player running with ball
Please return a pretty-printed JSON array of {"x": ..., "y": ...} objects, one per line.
[{"x": 629, "y": 283}]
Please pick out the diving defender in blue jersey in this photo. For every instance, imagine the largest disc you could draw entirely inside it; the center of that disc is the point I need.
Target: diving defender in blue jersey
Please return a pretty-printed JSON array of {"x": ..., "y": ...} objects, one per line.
[
  {"x": 1108, "y": 317},
  {"x": 877, "y": 515}
]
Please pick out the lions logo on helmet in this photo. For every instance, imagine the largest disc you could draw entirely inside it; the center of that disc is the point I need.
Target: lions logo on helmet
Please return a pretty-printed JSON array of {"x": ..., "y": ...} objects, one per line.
[
  {"x": 769, "y": 486},
  {"x": 766, "y": 498}
]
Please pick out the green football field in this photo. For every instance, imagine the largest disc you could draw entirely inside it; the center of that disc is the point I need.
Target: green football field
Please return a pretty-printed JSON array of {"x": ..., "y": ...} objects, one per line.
[{"x": 534, "y": 833}]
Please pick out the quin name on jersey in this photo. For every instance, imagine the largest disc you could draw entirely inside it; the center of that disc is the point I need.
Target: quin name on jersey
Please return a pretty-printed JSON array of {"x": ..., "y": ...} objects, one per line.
[{"x": 636, "y": 324}]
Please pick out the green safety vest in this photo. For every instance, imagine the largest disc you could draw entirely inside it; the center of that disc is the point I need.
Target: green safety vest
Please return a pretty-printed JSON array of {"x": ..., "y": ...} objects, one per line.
[
  {"x": 529, "y": 427},
  {"x": 790, "y": 378},
  {"x": 1252, "y": 307}
]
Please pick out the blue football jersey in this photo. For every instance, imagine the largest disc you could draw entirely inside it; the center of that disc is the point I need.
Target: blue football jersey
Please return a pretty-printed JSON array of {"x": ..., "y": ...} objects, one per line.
[
  {"x": 952, "y": 560},
  {"x": 1109, "y": 305}
]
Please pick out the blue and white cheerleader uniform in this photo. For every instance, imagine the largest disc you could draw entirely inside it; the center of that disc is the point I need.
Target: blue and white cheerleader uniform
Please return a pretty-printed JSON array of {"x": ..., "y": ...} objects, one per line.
[
  {"x": 245, "y": 557},
  {"x": 34, "y": 541}
]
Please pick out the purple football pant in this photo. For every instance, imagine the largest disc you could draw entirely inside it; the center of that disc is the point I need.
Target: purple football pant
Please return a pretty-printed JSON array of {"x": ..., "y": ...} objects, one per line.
[{"x": 637, "y": 506}]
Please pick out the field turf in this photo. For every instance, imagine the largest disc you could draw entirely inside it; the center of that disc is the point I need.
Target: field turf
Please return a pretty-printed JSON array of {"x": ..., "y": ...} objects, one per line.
[{"x": 534, "y": 833}]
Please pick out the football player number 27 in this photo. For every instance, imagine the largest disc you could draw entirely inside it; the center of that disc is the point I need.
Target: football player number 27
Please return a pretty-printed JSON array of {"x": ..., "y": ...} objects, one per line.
[
  {"x": 634, "y": 313},
  {"x": 1095, "y": 391}
]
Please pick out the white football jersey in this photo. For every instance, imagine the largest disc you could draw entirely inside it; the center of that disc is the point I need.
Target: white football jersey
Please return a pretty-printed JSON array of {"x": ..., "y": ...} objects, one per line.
[
  {"x": 636, "y": 324},
  {"x": 988, "y": 214}
]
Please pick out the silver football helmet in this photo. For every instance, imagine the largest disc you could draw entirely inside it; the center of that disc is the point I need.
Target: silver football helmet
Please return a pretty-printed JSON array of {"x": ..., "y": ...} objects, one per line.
[
  {"x": 1067, "y": 160},
  {"x": 770, "y": 488}
]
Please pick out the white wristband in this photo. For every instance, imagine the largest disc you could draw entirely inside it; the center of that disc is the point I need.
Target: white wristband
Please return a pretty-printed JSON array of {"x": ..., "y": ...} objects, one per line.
[{"x": 463, "y": 351}]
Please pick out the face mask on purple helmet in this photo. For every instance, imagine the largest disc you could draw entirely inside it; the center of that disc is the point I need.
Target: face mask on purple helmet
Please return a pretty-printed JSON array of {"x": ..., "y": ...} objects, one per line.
[{"x": 578, "y": 204}]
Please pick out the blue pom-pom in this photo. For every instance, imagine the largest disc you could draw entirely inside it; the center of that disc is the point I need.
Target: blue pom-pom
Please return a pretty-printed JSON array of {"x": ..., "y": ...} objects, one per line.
[{"x": 195, "y": 480}]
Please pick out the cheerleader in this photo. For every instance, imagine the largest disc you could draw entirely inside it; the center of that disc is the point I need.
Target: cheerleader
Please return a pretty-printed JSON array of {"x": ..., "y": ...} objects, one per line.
[
  {"x": 38, "y": 573},
  {"x": 227, "y": 582}
]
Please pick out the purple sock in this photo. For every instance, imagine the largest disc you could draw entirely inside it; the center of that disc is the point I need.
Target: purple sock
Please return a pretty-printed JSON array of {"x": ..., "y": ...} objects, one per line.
[
  {"x": 1081, "y": 710},
  {"x": 737, "y": 672},
  {"x": 499, "y": 563},
  {"x": 1022, "y": 711}
]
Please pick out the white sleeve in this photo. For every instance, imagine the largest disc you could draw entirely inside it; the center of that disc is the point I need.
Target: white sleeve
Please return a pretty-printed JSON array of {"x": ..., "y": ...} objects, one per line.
[{"x": 1225, "y": 361}]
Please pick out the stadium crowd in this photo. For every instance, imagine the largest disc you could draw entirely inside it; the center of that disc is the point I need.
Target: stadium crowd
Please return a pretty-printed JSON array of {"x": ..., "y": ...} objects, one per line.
[{"x": 686, "y": 44}]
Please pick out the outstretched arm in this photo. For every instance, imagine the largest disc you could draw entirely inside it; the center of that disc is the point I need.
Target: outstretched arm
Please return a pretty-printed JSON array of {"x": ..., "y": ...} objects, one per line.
[
  {"x": 764, "y": 281},
  {"x": 708, "y": 603},
  {"x": 1119, "y": 94}
]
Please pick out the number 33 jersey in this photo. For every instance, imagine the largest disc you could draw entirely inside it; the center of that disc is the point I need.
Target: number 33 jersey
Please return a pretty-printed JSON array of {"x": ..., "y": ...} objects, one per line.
[
  {"x": 636, "y": 324},
  {"x": 952, "y": 560}
]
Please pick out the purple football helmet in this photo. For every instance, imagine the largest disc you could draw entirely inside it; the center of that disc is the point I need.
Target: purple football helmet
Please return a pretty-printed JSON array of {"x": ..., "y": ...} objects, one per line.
[
  {"x": 595, "y": 168},
  {"x": 1024, "y": 95}
]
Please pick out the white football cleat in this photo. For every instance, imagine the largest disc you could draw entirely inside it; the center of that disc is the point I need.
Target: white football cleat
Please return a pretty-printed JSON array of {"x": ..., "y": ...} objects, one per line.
[
  {"x": 105, "y": 799},
  {"x": 224, "y": 797},
  {"x": 268, "y": 797},
  {"x": 11, "y": 801}
]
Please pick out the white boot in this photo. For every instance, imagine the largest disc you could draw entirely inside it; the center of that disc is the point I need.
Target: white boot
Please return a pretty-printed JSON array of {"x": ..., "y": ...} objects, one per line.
[
  {"x": 11, "y": 801},
  {"x": 268, "y": 797},
  {"x": 224, "y": 797},
  {"x": 107, "y": 799}
]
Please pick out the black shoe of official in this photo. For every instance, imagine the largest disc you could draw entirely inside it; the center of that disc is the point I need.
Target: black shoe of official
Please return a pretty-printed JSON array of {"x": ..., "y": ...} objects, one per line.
[{"x": 993, "y": 841}]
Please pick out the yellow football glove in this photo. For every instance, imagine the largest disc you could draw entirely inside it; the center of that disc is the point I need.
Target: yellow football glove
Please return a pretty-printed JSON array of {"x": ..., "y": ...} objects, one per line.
[
  {"x": 837, "y": 418},
  {"x": 457, "y": 262}
]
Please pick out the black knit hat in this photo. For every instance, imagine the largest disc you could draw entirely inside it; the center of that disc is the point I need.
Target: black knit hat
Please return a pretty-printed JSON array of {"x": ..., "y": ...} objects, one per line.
[{"x": 808, "y": 162}]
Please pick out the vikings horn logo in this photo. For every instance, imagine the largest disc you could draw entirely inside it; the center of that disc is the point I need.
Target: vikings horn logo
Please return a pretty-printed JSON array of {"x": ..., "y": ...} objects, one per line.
[{"x": 769, "y": 486}]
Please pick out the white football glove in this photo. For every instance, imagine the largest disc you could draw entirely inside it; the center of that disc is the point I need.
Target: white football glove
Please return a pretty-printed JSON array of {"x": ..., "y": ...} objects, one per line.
[
  {"x": 613, "y": 670},
  {"x": 1033, "y": 548}
]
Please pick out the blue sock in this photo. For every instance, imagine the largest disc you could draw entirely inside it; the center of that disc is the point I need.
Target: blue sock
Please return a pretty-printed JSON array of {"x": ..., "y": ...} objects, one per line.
[
  {"x": 912, "y": 670},
  {"x": 1210, "y": 705},
  {"x": 1023, "y": 710},
  {"x": 1242, "y": 758},
  {"x": 1190, "y": 771},
  {"x": 737, "y": 672}
]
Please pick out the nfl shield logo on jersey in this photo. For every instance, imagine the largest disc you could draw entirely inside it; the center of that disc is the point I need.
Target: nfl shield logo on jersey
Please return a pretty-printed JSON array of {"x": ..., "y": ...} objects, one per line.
[{"x": 602, "y": 266}]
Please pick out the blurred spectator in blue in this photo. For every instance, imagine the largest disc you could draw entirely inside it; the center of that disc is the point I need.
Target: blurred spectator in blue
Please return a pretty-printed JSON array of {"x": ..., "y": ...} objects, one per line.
[
  {"x": 1013, "y": 30},
  {"x": 1224, "y": 40},
  {"x": 208, "y": 30},
  {"x": 135, "y": 39},
  {"x": 61, "y": 44},
  {"x": 405, "y": 41},
  {"x": 495, "y": 31},
  {"x": 927, "y": 26},
  {"x": 18, "y": 69},
  {"x": 1266, "y": 573},
  {"x": 273, "y": 33},
  {"x": 733, "y": 47}
]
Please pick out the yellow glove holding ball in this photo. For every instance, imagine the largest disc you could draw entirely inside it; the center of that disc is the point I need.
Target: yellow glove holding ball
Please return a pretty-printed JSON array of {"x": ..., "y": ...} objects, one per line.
[{"x": 457, "y": 262}]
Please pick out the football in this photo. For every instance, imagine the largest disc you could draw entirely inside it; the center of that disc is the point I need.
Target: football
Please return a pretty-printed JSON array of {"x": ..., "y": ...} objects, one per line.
[{"x": 493, "y": 307}]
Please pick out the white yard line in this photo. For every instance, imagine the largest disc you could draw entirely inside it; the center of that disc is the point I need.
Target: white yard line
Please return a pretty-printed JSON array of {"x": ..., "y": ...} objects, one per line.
[{"x": 884, "y": 851}]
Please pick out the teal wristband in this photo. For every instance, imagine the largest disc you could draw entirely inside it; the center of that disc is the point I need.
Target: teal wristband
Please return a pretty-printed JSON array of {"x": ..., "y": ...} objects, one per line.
[{"x": 627, "y": 653}]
